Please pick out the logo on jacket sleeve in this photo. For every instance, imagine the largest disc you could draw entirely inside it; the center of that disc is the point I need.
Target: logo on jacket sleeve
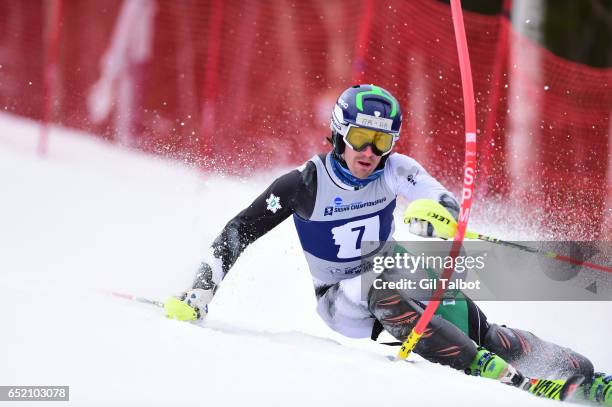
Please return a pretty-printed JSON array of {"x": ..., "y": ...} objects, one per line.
[{"x": 273, "y": 203}]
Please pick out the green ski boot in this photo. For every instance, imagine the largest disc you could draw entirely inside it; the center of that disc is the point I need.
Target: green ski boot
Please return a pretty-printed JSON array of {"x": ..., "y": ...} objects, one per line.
[
  {"x": 598, "y": 391},
  {"x": 488, "y": 364}
]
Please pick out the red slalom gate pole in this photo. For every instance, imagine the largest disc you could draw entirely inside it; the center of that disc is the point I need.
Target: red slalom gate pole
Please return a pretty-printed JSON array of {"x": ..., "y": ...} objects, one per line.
[
  {"x": 468, "y": 176},
  {"x": 50, "y": 73}
]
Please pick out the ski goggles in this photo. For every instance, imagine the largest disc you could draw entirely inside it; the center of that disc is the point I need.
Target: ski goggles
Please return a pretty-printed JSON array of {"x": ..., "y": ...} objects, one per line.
[{"x": 359, "y": 138}]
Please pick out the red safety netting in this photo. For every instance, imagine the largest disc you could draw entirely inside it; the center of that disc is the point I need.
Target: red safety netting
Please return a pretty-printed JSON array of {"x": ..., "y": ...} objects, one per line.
[{"x": 240, "y": 85}]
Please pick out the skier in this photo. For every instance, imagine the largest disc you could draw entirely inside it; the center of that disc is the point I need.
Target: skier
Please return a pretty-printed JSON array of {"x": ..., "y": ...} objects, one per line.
[{"x": 347, "y": 196}]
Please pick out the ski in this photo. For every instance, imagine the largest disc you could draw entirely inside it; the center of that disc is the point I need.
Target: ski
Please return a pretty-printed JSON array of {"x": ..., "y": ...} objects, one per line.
[{"x": 552, "y": 389}]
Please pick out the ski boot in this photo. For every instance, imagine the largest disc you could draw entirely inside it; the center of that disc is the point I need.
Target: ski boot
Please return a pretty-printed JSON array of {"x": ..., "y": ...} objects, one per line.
[
  {"x": 489, "y": 365},
  {"x": 597, "y": 391}
]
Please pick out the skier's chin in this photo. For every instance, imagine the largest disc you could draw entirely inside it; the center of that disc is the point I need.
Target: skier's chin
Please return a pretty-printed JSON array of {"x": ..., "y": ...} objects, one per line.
[
  {"x": 362, "y": 169},
  {"x": 361, "y": 165}
]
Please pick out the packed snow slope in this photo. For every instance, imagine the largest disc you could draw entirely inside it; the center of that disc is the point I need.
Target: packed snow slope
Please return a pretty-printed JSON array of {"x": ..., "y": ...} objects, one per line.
[{"x": 92, "y": 217}]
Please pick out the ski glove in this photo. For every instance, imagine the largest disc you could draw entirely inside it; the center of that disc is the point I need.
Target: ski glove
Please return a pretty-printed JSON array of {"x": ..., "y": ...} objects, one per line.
[
  {"x": 425, "y": 229},
  {"x": 421, "y": 228},
  {"x": 193, "y": 304}
]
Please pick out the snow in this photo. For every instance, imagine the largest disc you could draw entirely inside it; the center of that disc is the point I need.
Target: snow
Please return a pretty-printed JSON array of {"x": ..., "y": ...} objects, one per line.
[{"x": 92, "y": 217}]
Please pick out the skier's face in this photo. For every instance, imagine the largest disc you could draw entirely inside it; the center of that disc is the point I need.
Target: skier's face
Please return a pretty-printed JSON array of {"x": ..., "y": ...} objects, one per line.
[{"x": 361, "y": 163}]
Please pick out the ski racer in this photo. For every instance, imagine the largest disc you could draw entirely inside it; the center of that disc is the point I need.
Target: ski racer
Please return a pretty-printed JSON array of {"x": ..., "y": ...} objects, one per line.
[{"x": 348, "y": 195}]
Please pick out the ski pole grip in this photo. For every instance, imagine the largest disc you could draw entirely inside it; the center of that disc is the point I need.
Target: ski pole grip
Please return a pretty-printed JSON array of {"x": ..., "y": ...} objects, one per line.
[
  {"x": 409, "y": 344},
  {"x": 433, "y": 212},
  {"x": 177, "y": 309}
]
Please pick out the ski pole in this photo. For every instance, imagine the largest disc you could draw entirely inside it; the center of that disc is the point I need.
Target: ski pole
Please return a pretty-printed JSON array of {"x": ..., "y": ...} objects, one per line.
[
  {"x": 137, "y": 299},
  {"x": 468, "y": 175},
  {"x": 445, "y": 226}
]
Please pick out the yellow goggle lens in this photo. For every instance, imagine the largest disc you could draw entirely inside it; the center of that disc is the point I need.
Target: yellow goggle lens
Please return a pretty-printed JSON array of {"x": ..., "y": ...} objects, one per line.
[{"x": 359, "y": 138}]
